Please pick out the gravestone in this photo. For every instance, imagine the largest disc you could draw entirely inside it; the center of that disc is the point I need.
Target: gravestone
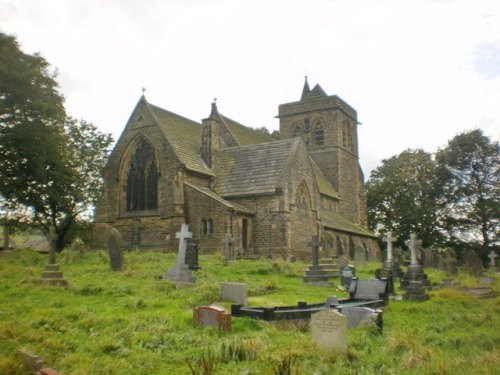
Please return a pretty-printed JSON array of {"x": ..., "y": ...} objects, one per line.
[
  {"x": 115, "y": 251},
  {"x": 316, "y": 274},
  {"x": 450, "y": 263},
  {"x": 234, "y": 292},
  {"x": 180, "y": 271},
  {"x": 362, "y": 316},
  {"x": 346, "y": 275},
  {"x": 212, "y": 316},
  {"x": 342, "y": 261},
  {"x": 228, "y": 243},
  {"x": 369, "y": 289},
  {"x": 471, "y": 263},
  {"x": 429, "y": 259},
  {"x": 492, "y": 255},
  {"x": 415, "y": 291},
  {"x": 329, "y": 330},
  {"x": 192, "y": 255},
  {"x": 415, "y": 271},
  {"x": 52, "y": 275},
  {"x": 389, "y": 259},
  {"x": 386, "y": 274},
  {"x": 360, "y": 256}
]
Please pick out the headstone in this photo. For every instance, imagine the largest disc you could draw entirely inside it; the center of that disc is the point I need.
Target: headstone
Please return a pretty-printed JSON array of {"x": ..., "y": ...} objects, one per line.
[
  {"x": 329, "y": 330},
  {"x": 212, "y": 316},
  {"x": 450, "y": 263},
  {"x": 115, "y": 250},
  {"x": 369, "y": 289},
  {"x": 415, "y": 291},
  {"x": 228, "y": 242},
  {"x": 389, "y": 239},
  {"x": 415, "y": 271},
  {"x": 346, "y": 275},
  {"x": 332, "y": 301},
  {"x": 492, "y": 255},
  {"x": 387, "y": 274},
  {"x": 412, "y": 244},
  {"x": 360, "y": 256},
  {"x": 362, "y": 316},
  {"x": 180, "y": 271},
  {"x": 471, "y": 263},
  {"x": 192, "y": 255},
  {"x": 342, "y": 261},
  {"x": 317, "y": 274},
  {"x": 429, "y": 259},
  {"x": 234, "y": 292}
]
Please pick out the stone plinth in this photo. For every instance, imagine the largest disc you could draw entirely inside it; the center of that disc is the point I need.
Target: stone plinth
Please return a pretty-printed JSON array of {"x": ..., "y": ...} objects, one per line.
[
  {"x": 179, "y": 273},
  {"x": 415, "y": 291},
  {"x": 52, "y": 276},
  {"x": 414, "y": 273},
  {"x": 316, "y": 275}
]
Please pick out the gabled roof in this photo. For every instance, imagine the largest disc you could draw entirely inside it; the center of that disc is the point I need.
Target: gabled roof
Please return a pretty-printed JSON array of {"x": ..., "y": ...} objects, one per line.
[
  {"x": 316, "y": 92},
  {"x": 253, "y": 170},
  {"x": 209, "y": 193},
  {"x": 184, "y": 136},
  {"x": 324, "y": 185},
  {"x": 336, "y": 221},
  {"x": 244, "y": 135}
]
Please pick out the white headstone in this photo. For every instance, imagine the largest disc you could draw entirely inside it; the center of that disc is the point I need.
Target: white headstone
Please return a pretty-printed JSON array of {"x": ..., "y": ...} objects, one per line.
[
  {"x": 412, "y": 245},
  {"x": 492, "y": 255},
  {"x": 234, "y": 292},
  {"x": 329, "y": 330},
  {"x": 183, "y": 235},
  {"x": 389, "y": 240}
]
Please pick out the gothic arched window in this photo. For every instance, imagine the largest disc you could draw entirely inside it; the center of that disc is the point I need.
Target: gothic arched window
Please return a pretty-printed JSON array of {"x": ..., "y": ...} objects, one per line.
[
  {"x": 142, "y": 179},
  {"x": 319, "y": 134}
]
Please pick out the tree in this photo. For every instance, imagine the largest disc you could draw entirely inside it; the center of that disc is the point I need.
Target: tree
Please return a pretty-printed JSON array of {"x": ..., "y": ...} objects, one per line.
[
  {"x": 401, "y": 196},
  {"x": 48, "y": 163},
  {"x": 469, "y": 175}
]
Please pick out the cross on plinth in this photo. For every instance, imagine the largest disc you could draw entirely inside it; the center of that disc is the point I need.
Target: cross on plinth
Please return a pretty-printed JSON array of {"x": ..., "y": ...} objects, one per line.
[
  {"x": 389, "y": 239},
  {"x": 228, "y": 242},
  {"x": 315, "y": 247},
  {"x": 412, "y": 245},
  {"x": 183, "y": 235},
  {"x": 53, "y": 244},
  {"x": 492, "y": 255}
]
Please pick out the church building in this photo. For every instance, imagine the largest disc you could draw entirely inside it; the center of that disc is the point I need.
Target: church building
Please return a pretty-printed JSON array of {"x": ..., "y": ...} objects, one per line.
[{"x": 225, "y": 179}]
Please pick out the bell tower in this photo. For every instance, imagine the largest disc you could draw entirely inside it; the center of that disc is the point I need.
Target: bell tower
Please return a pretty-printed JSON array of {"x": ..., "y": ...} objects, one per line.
[{"x": 328, "y": 126}]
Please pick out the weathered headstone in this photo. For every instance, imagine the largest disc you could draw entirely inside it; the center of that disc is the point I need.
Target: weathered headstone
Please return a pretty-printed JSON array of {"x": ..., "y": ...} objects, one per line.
[
  {"x": 234, "y": 292},
  {"x": 228, "y": 243},
  {"x": 316, "y": 274},
  {"x": 329, "y": 330},
  {"x": 360, "y": 256},
  {"x": 429, "y": 259},
  {"x": 369, "y": 289},
  {"x": 415, "y": 271},
  {"x": 192, "y": 255},
  {"x": 492, "y": 255},
  {"x": 389, "y": 259},
  {"x": 362, "y": 316},
  {"x": 115, "y": 250},
  {"x": 212, "y": 316},
  {"x": 450, "y": 263},
  {"x": 346, "y": 275},
  {"x": 180, "y": 271},
  {"x": 386, "y": 274},
  {"x": 471, "y": 263}
]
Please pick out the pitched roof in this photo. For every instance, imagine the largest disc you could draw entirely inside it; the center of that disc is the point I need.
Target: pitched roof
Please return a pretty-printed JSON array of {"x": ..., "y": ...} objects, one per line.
[
  {"x": 244, "y": 135},
  {"x": 324, "y": 185},
  {"x": 184, "y": 136},
  {"x": 305, "y": 90},
  {"x": 209, "y": 193},
  {"x": 253, "y": 170},
  {"x": 336, "y": 221}
]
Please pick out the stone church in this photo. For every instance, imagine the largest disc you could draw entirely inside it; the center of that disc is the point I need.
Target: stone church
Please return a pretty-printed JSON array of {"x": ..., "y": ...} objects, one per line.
[{"x": 221, "y": 177}]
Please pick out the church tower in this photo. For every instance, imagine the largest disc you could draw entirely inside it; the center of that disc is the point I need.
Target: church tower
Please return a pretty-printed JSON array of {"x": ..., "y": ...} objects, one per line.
[{"x": 328, "y": 126}]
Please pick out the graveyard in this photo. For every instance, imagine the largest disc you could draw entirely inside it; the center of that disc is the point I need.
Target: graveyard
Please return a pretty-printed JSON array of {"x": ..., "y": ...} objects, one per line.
[{"x": 133, "y": 320}]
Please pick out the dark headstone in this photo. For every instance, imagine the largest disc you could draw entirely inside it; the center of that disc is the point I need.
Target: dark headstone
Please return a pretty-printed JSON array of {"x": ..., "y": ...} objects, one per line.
[
  {"x": 346, "y": 275},
  {"x": 115, "y": 250},
  {"x": 429, "y": 259},
  {"x": 450, "y": 263},
  {"x": 416, "y": 273},
  {"x": 192, "y": 255},
  {"x": 471, "y": 263},
  {"x": 415, "y": 291},
  {"x": 387, "y": 274},
  {"x": 369, "y": 289}
]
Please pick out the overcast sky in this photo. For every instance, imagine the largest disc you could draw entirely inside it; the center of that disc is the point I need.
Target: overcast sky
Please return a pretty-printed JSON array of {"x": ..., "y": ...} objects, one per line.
[{"x": 417, "y": 71}]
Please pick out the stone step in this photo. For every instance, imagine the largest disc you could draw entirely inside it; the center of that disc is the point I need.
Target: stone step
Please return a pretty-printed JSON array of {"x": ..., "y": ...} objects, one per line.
[
  {"x": 52, "y": 275},
  {"x": 60, "y": 282},
  {"x": 52, "y": 267}
]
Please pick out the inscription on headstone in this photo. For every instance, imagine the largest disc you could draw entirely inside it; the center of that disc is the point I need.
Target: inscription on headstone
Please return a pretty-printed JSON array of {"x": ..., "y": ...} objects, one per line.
[{"x": 329, "y": 330}]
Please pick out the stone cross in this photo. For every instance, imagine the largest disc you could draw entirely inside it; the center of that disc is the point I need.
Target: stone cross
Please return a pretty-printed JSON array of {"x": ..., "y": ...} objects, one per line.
[
  {"x": 183, "y": 235},
  {"x": 412, "y": 245},
  {"x": 389, "y": 240},
  {"x": 53, "y": 244},
  {"x": 315, "y": 247},
  {"x": 228, "y": 246},
  {"x": 492, "y": 255}
]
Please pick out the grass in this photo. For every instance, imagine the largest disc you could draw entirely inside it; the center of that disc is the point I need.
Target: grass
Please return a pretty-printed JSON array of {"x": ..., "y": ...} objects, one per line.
[{"x": 131, "y": 322}]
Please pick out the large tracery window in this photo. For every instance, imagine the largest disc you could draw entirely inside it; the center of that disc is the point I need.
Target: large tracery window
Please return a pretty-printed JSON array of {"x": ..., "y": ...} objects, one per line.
[{"x": 142, "y": 179}]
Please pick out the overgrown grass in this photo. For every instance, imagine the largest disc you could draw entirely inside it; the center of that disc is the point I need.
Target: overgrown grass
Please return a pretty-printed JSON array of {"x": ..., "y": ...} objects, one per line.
[{"x": 130, "y": 322}]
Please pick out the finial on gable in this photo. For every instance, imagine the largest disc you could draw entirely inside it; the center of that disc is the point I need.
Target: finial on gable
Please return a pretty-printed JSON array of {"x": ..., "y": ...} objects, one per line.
[
  {"x": 306, "y": 90},
  {"x": 214, "y": 108}
]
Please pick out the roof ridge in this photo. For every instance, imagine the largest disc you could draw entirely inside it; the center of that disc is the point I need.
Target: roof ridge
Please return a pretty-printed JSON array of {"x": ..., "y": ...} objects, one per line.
[
  {"x": 173, "y": 114},
  {"x": 267, "y": 144}
]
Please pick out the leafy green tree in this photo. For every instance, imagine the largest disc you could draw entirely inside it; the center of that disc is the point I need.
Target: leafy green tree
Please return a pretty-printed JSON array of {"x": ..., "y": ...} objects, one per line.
[
  {"x": 401, "y": 196},
  {"x": 48, "y": 164},
  {"x": 469, "y": 176}
]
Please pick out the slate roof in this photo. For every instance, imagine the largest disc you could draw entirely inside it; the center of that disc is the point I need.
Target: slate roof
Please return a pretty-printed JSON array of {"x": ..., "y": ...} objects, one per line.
[
  {"x": 324, "y": 185},
  {"x": 244, "y": 135},
  {"x": 336, "y": 221},
  {"x": 253, "y": 170},
  {"x": 184, "y": 136},
  {"x": 209, "y": 193}
]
